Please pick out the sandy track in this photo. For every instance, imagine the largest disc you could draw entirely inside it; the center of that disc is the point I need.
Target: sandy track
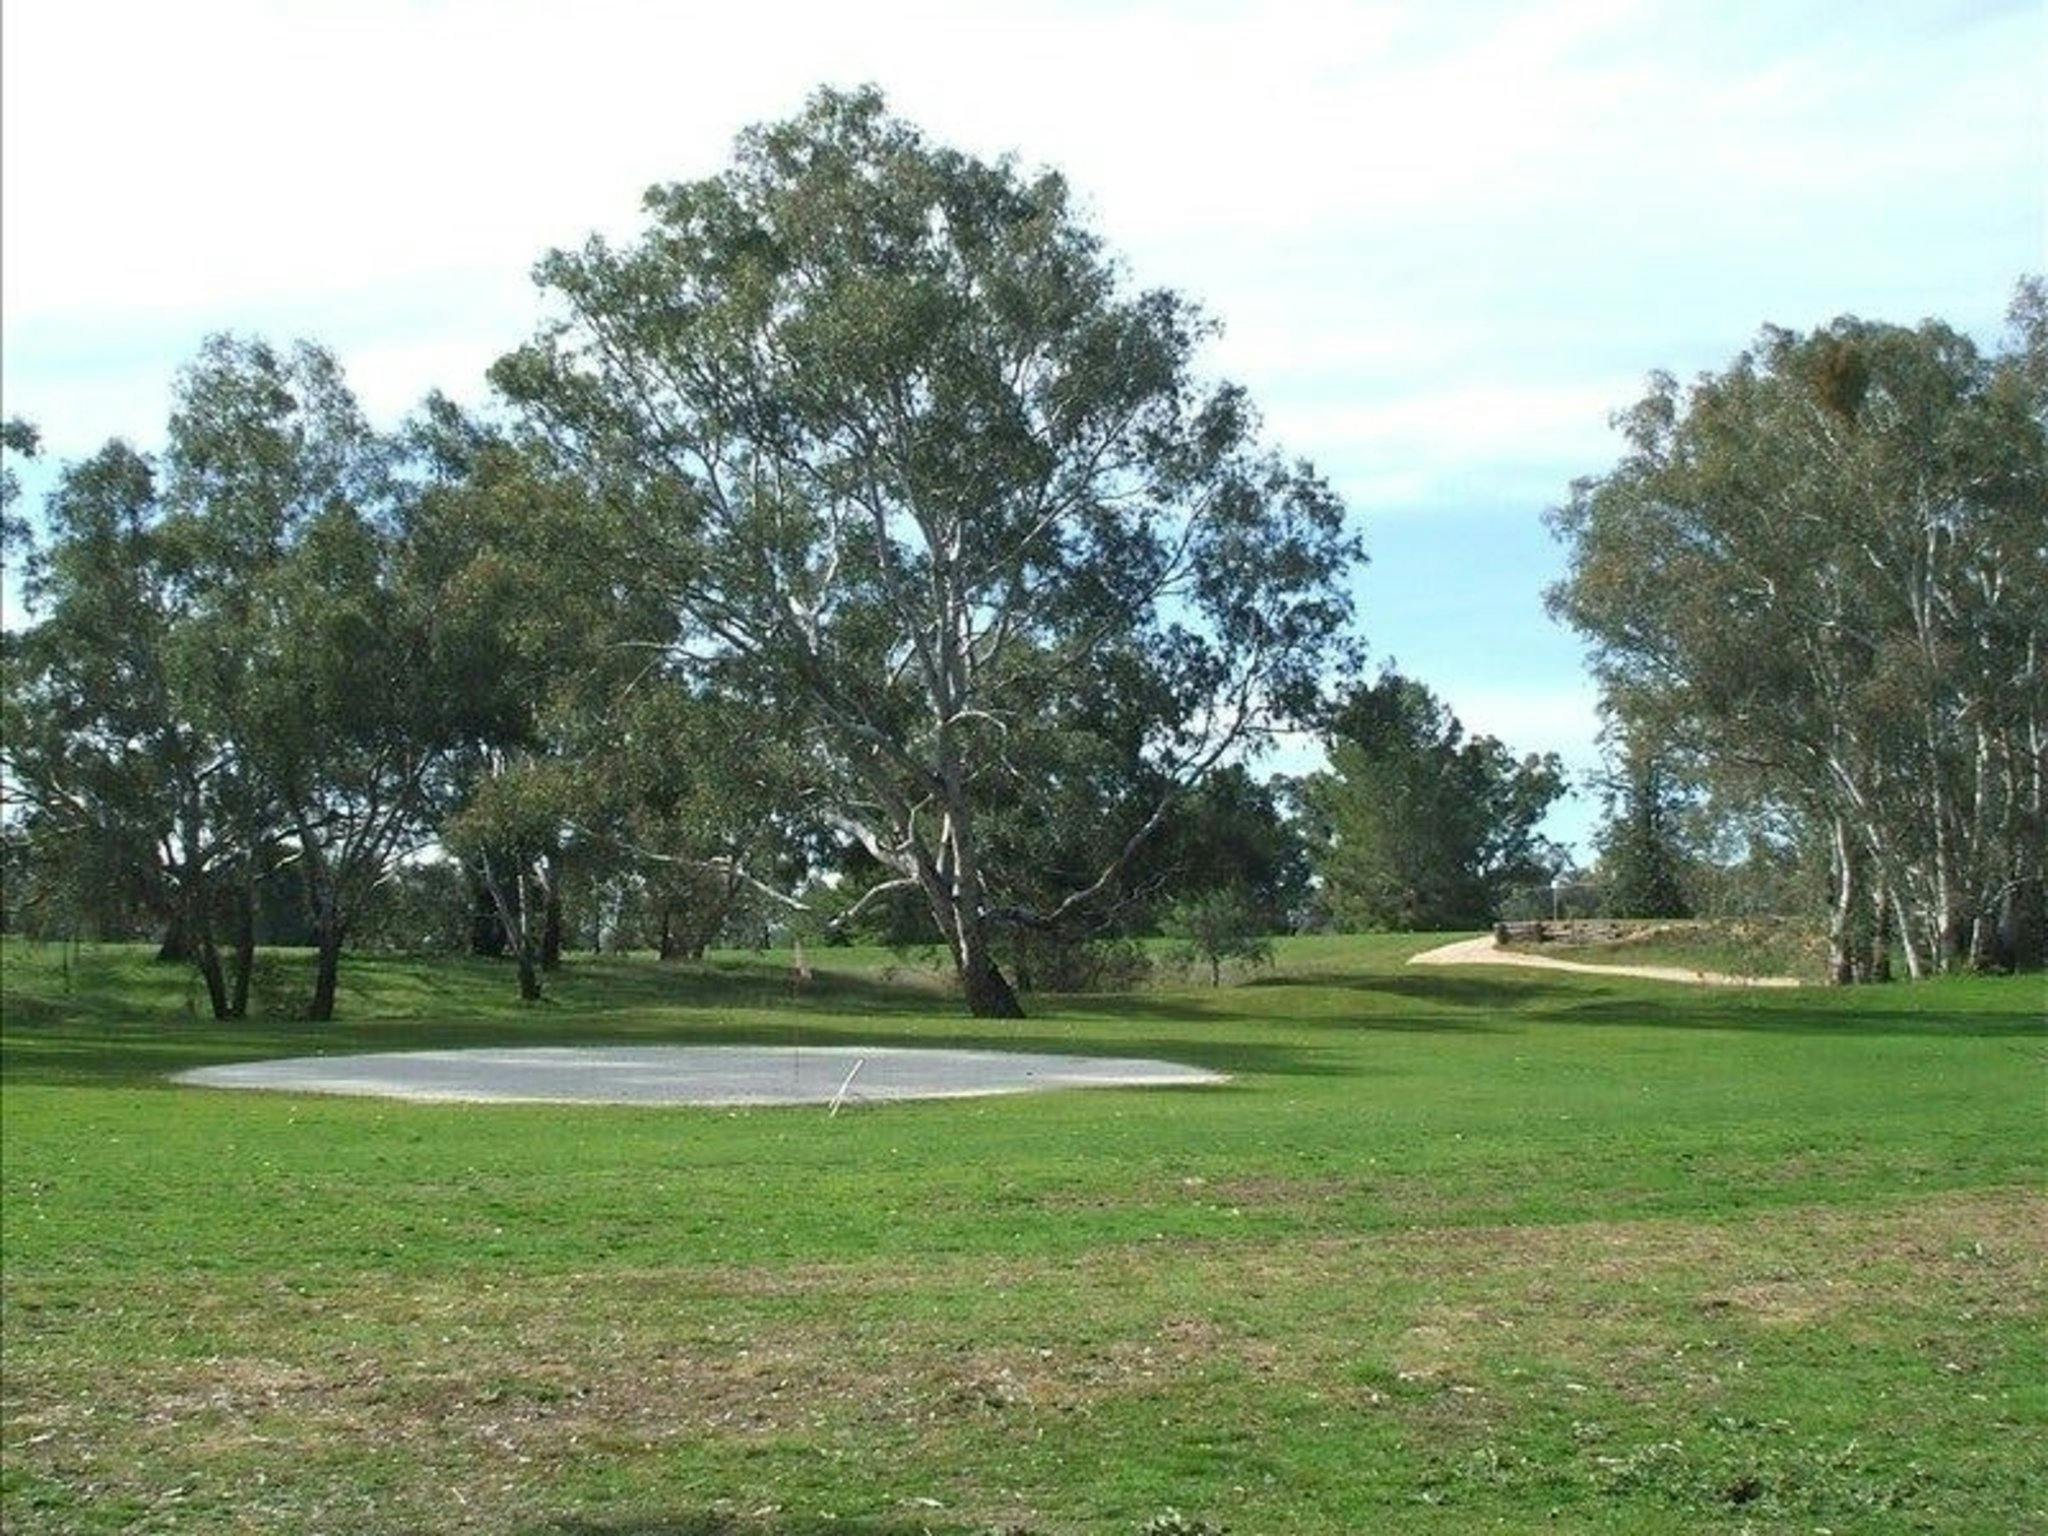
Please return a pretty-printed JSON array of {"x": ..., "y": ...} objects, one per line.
[{"x": 1483, "y": 951}]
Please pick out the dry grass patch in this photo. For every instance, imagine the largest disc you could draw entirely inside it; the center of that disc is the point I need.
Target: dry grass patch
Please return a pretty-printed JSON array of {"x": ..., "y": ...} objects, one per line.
[{"x": 764, "y": 1349}]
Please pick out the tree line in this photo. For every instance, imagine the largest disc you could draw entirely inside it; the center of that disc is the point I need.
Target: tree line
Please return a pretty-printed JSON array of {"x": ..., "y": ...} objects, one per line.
[
  {"x": 857, "y": 549},
  {"x": 1816, "y": 590},
  {"x": 858, "y": 520},
  {"x": 292, "y": 679}
]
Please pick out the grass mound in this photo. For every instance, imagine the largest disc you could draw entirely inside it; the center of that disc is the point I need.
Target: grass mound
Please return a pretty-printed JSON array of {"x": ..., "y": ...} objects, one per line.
[{"x": 1759, "y": 946}]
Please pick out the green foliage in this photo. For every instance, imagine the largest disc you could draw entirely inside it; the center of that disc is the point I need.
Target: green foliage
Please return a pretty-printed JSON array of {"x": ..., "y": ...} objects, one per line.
[
  {"x": 704, "y": 798},
  {"x": 1230, "y": 835},
  {"x": 277, "y": 987},
  {"x": 116, "y": 765},
  {"x": 861, "y": 504},
  {"x": 512, "y": 830},
  {"x": 18, "y": 438},
  {"x": 238, "y": 666},
  {"x": 1731, "y": 946},
  {"x": 311, "y": 631},
  {"x": 1819, "y": 574},
  {"x": 1067, "y": 961},
  {"x": 1216, "y": 928},
  {"x": 1753, "y": 866},
  {"x": 1644, "y": 866},
  {"x": 423, "y": 908},
  {"x": 906, "y": 460},
  {"x": 1413, "y": 826}
]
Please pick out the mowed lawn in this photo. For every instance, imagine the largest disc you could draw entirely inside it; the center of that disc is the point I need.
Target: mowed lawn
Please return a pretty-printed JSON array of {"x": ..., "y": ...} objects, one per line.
[{"x": 1455, "y": 1251}]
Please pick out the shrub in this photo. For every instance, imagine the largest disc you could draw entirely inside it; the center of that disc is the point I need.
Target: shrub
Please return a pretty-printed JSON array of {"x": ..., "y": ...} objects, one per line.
[{"x": 1216, "y": 928}]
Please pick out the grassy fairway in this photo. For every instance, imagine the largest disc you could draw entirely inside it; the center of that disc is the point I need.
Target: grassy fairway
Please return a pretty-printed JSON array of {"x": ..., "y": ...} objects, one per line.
[{"x": 1456, "y": 1251}]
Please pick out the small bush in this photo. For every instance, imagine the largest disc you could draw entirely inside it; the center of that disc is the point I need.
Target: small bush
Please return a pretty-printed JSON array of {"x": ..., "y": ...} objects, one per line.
[
  {"x": 1049, "y": 961},
  {"x": 1216, "y": 929},
  {"x": 278, "y": 989}
]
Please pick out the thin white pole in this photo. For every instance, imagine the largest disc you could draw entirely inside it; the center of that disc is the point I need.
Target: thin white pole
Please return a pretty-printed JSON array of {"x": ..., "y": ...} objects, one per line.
[{"x": 840, "y": 1096}]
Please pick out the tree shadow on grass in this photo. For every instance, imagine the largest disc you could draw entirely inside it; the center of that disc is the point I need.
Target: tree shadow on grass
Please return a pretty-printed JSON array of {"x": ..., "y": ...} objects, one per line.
[
  {"x": 1536, "y": 998},
  {"x": 114, "y": 984},
  {"x": 1449, "y": 991},
  {"x": 1841, "y": 1014},
  {"x": 1171, "y": 1011},
  {"x": 600, "y": 986},
  {"x": 47, "y": 1044},
  {"x": 1238, "y": 1057}
]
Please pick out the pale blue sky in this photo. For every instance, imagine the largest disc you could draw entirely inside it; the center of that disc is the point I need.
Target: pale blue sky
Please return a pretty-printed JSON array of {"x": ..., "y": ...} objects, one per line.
[{"x": 1445, "y": 240}]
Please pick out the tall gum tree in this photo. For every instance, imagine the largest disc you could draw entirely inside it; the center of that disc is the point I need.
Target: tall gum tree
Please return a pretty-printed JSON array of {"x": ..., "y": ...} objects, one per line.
[
  {"x": 895, "y": 441},
  {"x": 523, "y": 620}
]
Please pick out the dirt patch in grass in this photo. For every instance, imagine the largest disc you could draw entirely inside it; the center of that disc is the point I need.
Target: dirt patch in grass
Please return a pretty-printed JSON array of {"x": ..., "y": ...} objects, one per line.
[
  {"x": 1463, "y": 1336},
  {"x": 1782, "y": 1303}
]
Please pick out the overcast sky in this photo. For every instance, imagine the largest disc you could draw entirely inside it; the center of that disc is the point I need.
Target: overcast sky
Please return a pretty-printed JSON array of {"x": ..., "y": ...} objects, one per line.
[{"x": 1444, "y": 240}]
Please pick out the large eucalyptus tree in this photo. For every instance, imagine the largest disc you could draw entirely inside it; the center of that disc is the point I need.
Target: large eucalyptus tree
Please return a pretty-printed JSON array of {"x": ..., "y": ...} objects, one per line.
[{"x": 898, "y": 444}]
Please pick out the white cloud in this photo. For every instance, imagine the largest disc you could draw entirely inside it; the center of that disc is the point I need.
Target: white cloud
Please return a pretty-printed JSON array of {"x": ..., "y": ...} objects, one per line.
[
  {"x": 206, "y": 154},
  {"x": 1445, "y": 241},
  {"x": 1483, "y": 421}
]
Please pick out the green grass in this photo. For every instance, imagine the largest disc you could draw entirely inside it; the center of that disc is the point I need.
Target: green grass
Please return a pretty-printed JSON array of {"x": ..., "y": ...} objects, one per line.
[{"x": 1455, "y": 1251}]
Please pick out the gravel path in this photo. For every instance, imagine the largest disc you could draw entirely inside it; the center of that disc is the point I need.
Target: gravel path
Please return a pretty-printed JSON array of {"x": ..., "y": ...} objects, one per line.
[
  {"x": 1483, "y": 951},
  {"x": 696, "y": 1074}
]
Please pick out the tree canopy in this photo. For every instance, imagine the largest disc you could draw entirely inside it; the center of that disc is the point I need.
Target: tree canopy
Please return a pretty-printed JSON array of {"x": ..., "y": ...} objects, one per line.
[
  {"x": 238, "y": 667},
  {"x": 1415, "y": 825},
  {"x": 1822, "y": 573},
  {"x": 900, "y": 448}
]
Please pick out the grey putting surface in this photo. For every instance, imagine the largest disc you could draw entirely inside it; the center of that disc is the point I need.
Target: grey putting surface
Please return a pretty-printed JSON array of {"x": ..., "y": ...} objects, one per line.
[{"x": 694, "y": 1074}]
